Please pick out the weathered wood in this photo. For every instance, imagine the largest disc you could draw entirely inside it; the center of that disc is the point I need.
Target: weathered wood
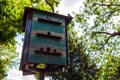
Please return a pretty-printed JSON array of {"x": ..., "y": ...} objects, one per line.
[
  {"x": 50, "y": 21},
  {"x": 45, "y": 42},
  {"x": 46, "y": 59},
  {"x": 28, "y": 10},
  {"x": 48, "y": 35},
  {"x": 48, "y": 53}
]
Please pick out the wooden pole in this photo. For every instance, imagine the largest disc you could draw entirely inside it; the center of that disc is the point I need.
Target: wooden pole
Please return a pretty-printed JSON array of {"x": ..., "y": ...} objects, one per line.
[{"x": 41, "y": 76}]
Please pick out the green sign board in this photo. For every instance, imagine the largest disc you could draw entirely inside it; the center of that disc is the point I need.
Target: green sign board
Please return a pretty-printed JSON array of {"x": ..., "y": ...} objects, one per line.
[{"x": 45, "y": 39}]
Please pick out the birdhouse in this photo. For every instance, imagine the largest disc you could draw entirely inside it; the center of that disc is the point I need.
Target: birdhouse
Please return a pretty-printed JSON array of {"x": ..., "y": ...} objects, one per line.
[{"x": 45, "y": 44}]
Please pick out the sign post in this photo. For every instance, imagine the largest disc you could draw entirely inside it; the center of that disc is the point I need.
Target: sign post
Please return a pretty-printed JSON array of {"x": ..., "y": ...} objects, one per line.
[
  {"x": 41, "y": 75},
  {"x": 45, "y": 47}
]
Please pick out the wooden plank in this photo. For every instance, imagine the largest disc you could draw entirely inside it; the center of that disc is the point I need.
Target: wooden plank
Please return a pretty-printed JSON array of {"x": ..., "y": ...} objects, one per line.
[
  {"x": 26, "y": 41},
  {"x": 36, "y": 58},
  {"x": 48, "y": 20},
  {"x": 34, "y": 32},
  {"x": 47, "y": 27},
  {"x": 48, "y": 35},
  {"x": 48, "y": 53},
  {"x": 43, "y": 48},
  {"x": 48, "y": 17},
  {"x": 36, "y": 41},
  {"x": 27, "y": 72}
]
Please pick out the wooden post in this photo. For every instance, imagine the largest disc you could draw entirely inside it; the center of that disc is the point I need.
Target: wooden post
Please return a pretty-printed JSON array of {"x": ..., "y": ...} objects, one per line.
[{"x": 41, "y": 76}]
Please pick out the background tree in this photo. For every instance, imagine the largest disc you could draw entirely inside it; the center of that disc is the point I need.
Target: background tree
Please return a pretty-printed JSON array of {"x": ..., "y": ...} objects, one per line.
[
  {"x": 46, "y": 5},
  {"x": 11, "y": 12},
  {"x": 102, "y": 34},
  {"x": 100, "y": 30}
]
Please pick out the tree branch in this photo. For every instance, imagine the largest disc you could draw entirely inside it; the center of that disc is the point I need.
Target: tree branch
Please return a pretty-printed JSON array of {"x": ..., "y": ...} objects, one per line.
[
  {"x": 106, "y": 4},
  {"x": 111, "y": 12},
  {"x": 105, "y": 42},
  {"x": 103, "y": 33},
  {"x": 103, "y": 4},
  {"x": 111, "y": 35},
  {"x": 50, "y": 5}
]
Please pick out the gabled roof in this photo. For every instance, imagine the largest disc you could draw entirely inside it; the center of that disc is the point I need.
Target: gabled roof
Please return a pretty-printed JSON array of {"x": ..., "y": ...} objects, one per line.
[{"x": 29, "y": 10}]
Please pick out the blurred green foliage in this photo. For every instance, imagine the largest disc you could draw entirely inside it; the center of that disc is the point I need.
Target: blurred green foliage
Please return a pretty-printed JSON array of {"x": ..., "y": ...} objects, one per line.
[{"x": 90, "y": 59}]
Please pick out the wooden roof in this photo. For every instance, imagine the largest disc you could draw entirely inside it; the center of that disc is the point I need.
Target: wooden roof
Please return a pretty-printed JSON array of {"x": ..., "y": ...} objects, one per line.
[{"x": 29, "y": 10}]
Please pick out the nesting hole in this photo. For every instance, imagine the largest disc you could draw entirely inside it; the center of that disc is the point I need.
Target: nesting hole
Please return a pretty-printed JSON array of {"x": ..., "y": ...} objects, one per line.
[
  {"x": 41, "y": 49},
  {"x": 49, "y": 33},
  {"x": 48, "y": 49},
  {"x": 54, "y": 51},
  {"x": 60, "y": 21},
  {"x": 48, "y": 18}
]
